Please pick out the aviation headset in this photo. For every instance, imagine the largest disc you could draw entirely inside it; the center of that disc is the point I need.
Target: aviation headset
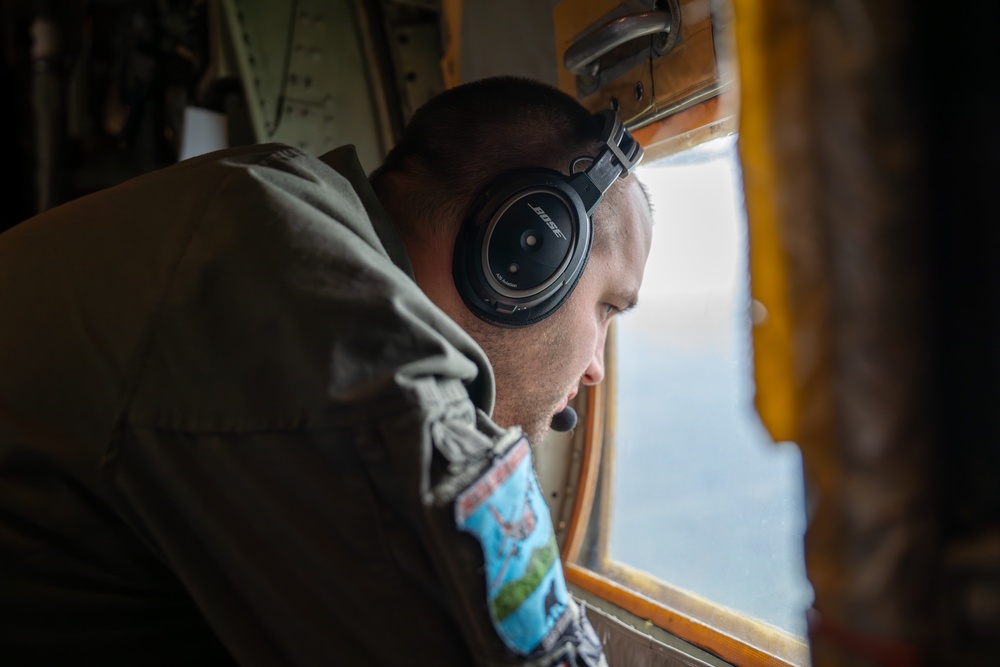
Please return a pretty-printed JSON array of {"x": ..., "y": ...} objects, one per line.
[{"x": 524, "y": 247}]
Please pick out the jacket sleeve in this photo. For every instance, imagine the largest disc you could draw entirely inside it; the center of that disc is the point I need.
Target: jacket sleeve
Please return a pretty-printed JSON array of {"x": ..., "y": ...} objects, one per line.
[
  {"x": 416, "y": 532},
  {"x": 484, "y": 522}
]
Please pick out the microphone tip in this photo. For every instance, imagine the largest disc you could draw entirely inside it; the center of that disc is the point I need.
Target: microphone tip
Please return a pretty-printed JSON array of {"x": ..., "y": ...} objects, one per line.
[{"x": 564, "y": 420}]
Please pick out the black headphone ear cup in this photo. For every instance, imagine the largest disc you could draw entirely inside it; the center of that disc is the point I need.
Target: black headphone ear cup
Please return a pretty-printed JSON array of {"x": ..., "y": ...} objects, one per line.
[{"x": 522, "y": 250}]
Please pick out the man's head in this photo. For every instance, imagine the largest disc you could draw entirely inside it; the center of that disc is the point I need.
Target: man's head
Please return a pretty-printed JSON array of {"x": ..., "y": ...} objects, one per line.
[{"x": 455, "y": 146}]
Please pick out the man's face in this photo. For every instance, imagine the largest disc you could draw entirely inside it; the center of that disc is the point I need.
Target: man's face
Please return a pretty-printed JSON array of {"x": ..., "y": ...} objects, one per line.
[{"x": 539, "y": 368}]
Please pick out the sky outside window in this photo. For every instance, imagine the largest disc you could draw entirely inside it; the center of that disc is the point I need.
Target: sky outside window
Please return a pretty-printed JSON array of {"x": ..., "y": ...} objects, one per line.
[{"x": 703, "y": 498}]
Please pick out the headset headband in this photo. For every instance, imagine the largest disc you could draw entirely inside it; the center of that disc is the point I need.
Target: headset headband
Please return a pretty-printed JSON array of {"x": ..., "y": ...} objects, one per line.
[{"x": 619, "y": 159}]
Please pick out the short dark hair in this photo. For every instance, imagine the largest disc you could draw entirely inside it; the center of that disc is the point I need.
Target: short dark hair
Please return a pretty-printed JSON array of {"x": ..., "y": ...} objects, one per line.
[{"x": 467, "y": 136}]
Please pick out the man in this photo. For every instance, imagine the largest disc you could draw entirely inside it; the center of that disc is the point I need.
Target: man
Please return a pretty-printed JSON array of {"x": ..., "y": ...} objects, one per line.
[{"x": 244, "y": 400}]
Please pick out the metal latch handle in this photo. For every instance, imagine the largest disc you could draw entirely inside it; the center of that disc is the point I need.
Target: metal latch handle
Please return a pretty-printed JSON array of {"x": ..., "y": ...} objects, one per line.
[{"x": 585, "y": 51}]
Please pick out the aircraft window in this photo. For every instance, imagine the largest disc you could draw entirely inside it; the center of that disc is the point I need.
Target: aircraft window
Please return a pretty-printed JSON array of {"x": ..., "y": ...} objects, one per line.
[{"x": 696, "y": 506}]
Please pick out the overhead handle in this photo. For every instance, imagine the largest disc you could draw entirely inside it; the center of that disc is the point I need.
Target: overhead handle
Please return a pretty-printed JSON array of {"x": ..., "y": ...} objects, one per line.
[{"x": 581, "y": 57}]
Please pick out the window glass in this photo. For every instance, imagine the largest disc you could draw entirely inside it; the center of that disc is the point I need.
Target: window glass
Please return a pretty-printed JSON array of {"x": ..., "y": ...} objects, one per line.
[{"x": 702, "y": 498}]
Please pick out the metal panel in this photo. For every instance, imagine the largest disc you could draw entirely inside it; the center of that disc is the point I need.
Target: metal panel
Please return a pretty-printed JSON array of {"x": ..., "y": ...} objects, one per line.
[
  {"x": 261, "y": 32},
  {"x": 307, "y": 77},
  {"x": 416, "y": 52},
  {"x": 634, "y": 641},
  {"x": 559, "y": 462}
]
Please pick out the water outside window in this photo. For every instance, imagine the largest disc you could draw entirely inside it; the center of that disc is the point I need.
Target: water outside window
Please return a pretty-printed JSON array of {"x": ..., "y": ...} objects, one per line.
[{"x": 703, "y": 499}]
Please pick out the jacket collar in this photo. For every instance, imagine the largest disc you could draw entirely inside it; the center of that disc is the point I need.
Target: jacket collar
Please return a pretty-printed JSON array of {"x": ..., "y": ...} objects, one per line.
[{"x": 344, "y": 160}]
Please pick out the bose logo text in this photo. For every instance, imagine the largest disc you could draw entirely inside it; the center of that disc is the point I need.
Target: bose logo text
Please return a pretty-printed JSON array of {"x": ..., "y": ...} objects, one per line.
[{"x": 548, "y": 221}]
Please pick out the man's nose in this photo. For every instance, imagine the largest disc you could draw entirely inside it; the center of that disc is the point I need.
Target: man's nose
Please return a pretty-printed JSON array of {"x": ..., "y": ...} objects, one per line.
[{"x": 595, "y": 370}]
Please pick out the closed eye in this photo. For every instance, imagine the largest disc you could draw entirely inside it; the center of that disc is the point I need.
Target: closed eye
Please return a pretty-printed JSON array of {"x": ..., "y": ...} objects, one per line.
[
  {"x": 610, "y": 310},
  {"x": 619, "y": 302}
]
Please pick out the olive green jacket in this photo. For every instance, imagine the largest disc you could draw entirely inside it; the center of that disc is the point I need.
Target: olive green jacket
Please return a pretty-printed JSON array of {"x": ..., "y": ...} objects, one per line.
[{"x": 226, "y": 416}]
